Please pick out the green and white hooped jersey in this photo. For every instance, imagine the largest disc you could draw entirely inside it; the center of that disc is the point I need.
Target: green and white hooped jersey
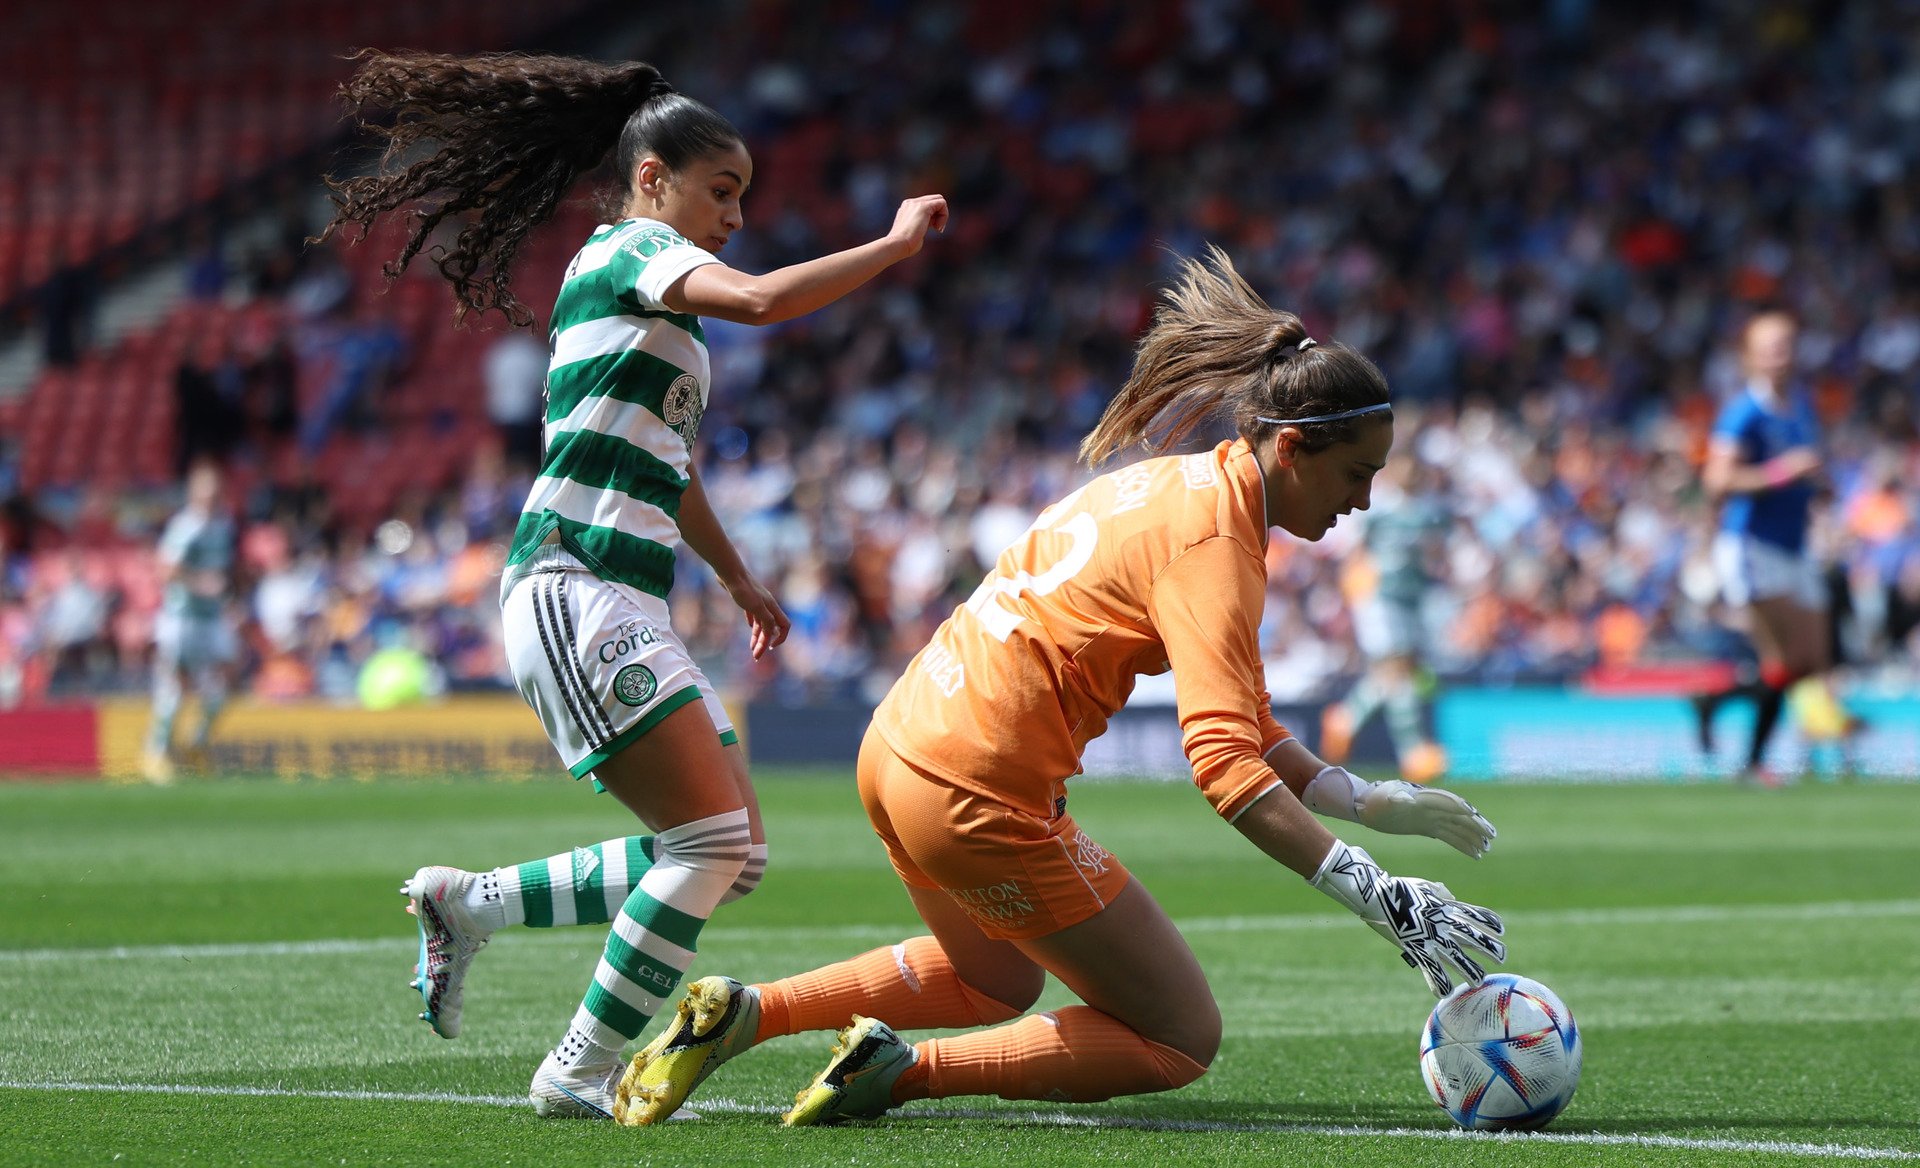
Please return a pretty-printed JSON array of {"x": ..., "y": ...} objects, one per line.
[
  {"x": 199, "y": 542},
  {"x": 626, "y": 386}
]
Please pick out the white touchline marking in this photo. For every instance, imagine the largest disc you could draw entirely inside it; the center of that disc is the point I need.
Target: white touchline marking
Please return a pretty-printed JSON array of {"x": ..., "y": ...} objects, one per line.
[
  {"x": 1042, "y": 1119},
  {"x": 1677, "y": 914},
  {"x": 269, "y": 1092}
]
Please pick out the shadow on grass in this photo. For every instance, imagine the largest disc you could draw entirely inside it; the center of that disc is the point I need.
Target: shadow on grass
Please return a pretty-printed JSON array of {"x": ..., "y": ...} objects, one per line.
[
  {"x": 500, "y": 1078},
  {"x": 1174, "y": 1115}
]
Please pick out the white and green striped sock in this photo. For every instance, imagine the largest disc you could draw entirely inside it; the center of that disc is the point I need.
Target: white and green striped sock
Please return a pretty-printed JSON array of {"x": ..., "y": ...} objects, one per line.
[
  {"x": 1403, "y": 718},
  {"x": 653, "y": 938},
  {"x": 585, "y": 886},
  {"x": 167, "y": 696},
  {"x": 750, "y": 874}
]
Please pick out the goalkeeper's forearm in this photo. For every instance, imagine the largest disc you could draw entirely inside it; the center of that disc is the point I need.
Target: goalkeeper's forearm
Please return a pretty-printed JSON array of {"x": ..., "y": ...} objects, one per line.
[
  {"x": 1325, "y": 790},
  {"x": 1279, "y": 826},
  {"x": 1296, "y": 766}
]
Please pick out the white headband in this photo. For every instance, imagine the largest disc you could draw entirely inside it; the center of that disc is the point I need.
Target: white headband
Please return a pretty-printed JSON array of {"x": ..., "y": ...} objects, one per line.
[{"x": 1372, "y": 409}]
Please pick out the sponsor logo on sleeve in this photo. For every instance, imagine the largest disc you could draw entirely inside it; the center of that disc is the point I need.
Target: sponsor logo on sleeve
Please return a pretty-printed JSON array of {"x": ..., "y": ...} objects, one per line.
[{"x": 682, "y": 407}]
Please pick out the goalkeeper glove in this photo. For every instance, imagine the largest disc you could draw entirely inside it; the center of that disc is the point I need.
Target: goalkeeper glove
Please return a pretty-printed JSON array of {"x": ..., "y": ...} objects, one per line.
[
  {"x": 1398, "y": 807},
  {"x": 1432, "y": 929}
]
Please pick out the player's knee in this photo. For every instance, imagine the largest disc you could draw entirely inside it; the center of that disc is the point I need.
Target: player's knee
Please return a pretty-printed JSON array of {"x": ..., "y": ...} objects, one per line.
[
  {"x": 750, "y": 874},
  {"x": 1013, "y": 996},
  {"x": 1782, "y": 674},
  {"x": 1818, "y": 659},
  {"x": 1195, "y": 1036},
  {"x": 1021, "y": 986},
  {"x": 1178, "y": 1067},
  {"x": 716, "y": 848},
  {"x": 993, "y": 991}
]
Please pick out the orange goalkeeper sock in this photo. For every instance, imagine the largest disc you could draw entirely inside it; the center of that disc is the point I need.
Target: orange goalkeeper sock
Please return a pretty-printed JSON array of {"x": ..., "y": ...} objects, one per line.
[
  {"x": 1075, "y": 1054},
  {"x": 909, "y": 986}
]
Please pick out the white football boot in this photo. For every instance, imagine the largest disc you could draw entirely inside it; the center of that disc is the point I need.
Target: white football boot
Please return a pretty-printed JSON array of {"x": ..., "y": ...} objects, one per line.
[
  {"x": 574, "y": 1093},
  {"x": 449, "y": 937}
]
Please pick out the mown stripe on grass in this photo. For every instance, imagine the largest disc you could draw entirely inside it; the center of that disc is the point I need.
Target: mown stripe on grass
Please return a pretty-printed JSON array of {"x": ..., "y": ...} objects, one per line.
[
  {"x": 1053, "y": 1119},
  {"x": 1676, "y": 914},
  {"x": 269, "y": 1092}
]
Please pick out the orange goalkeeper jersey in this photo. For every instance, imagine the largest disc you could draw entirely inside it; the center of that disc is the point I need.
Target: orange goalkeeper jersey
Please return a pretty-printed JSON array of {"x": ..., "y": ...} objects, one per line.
[{"x": 1157, "y": 565}]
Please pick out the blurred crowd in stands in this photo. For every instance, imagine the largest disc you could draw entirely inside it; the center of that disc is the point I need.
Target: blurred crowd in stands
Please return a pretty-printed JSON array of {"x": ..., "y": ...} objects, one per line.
[{"x": 1546, "y": 230}]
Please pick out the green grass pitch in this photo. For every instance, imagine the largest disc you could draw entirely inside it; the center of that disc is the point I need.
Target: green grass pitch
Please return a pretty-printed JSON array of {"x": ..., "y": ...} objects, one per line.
[{"x": 216, "y": 974}]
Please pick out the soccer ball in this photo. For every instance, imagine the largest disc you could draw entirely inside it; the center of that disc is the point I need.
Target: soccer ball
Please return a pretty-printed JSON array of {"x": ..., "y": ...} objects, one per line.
[{"x": 1502, "y": 1055}]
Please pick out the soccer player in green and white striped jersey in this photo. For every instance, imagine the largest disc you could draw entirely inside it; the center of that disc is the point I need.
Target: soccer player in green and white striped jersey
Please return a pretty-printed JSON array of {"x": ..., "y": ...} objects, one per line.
[
  {"x": 194, "y": 640},
  {"x": 583, "y": 600}
]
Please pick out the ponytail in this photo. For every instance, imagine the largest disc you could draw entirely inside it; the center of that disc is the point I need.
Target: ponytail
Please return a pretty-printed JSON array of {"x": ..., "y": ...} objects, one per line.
[
  {"x": 513, "y": 132},
  {"x": 1216, "y": 348}
]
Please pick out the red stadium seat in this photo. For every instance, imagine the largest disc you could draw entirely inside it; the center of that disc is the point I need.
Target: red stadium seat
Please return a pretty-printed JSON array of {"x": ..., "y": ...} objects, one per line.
[{"x": 206, "y": 93}]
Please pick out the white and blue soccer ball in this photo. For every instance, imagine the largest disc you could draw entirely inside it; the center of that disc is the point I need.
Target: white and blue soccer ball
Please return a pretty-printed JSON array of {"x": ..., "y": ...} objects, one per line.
[{"x": 1503, "y": 1055}]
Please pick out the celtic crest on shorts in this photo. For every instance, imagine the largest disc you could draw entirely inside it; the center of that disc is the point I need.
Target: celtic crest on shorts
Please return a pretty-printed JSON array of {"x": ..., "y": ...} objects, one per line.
[
  {"x": 635, "y": 685},
  {"x": 682, "y": 407}
]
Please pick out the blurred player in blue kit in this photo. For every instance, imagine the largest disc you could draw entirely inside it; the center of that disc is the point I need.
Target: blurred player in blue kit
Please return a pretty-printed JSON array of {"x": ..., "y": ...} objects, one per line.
[{"x": 1763, "y": 466}]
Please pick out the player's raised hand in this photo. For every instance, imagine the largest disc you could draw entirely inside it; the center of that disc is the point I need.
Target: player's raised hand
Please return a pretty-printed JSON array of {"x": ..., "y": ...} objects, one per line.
[
  {"x": 916, "y": 217},
  {"x": 1435, "y": 932},
  {"x": 1398, "y": 807}
]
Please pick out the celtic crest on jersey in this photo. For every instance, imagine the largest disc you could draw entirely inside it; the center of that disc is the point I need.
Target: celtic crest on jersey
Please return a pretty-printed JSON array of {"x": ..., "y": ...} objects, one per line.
[{"x": 682, "y": 407}]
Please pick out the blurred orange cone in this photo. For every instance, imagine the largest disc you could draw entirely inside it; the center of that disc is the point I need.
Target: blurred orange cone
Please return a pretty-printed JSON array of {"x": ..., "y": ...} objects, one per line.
[
  {"x": 1425, "y": 763},
  {"x": 1336, "y": 733}
]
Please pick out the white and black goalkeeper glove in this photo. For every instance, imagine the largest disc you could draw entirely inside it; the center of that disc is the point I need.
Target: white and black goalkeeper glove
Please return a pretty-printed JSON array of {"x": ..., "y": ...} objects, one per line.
[
  {"x": 1433, "y": 930},
  {"x": 1397, "y": 807}
]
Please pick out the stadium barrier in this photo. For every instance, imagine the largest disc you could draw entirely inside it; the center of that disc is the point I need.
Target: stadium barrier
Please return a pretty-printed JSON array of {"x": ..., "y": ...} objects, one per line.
[
  {"x": 1566, "y": 734},
  {"x": 49, "y": 742},
  {"x": 1533, "y": 733},
  {"x": 1490, "y": 734},
  {"x": 492, "y": 734}
]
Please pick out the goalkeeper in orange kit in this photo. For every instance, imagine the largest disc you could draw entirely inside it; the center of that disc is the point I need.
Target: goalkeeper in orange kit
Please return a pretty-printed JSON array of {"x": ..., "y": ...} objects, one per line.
[{"x": 964, "y": 771}]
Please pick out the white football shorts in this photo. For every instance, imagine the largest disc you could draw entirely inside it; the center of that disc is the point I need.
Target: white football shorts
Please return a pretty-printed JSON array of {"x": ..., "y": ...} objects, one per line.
[
  {"x": 193, "y": 643},
  {"x": 599, "y": 663},
  {"x": 1388, "y": 628},
  {"x": 1752, "y": 569}
]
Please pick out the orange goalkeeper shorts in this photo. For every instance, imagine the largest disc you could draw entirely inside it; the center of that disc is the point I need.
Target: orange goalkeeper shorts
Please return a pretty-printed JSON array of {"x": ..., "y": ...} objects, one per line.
[{"x": 1015, "y": 874}]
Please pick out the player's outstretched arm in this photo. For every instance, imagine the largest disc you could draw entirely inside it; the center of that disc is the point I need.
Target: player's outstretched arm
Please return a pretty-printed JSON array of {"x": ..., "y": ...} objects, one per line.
[
  {"x": 716, "y": 290},
  {"x": 1436, "y": 933},
  {"x": 1398, "y": 807},
  {"x": 1395, "y": 806}
]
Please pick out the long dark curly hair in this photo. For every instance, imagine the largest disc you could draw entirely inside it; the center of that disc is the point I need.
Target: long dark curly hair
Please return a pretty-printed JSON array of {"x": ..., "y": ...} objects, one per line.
[{"x": 512, "y": 132}]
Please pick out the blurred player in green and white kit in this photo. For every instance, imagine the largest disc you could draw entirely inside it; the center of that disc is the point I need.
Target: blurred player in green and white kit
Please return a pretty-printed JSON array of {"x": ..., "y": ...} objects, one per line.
[
  {"x": 193, "y": 634},
  {"x": 1403, "y": 536}
]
